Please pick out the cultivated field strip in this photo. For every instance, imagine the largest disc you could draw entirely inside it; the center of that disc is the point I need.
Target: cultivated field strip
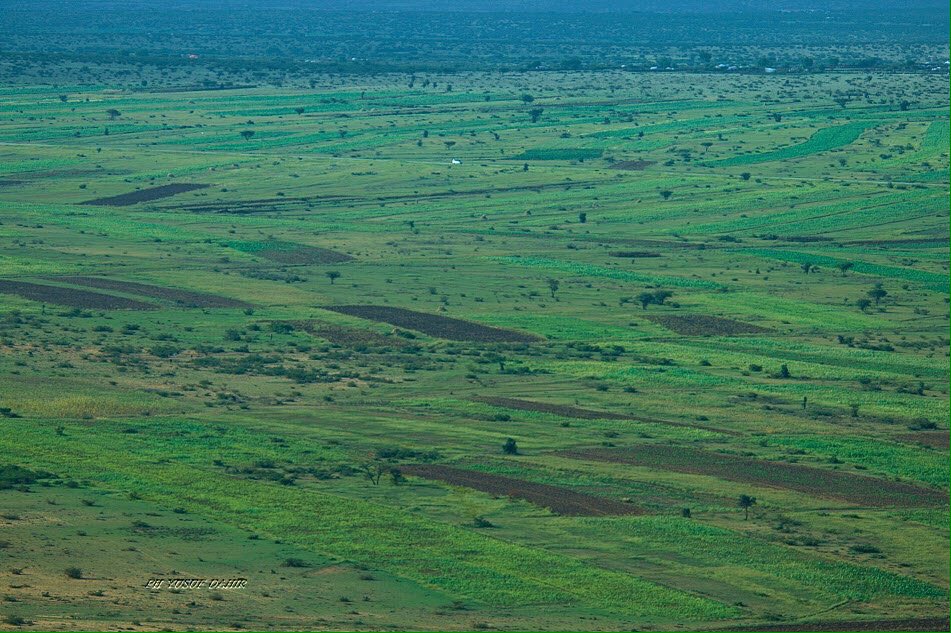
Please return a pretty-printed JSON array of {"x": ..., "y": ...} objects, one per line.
[
  {"x": 434, "y": 324},
  {"x": 857, "y": 489},
  {"x": 557, "y": 499},
  {"x": 71, "y": 296},
  {"x": 187, "y": 298}
]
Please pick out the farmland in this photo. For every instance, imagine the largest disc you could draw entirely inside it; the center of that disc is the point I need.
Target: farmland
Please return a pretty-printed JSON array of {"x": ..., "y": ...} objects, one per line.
[{"x": 505, "y": 346}]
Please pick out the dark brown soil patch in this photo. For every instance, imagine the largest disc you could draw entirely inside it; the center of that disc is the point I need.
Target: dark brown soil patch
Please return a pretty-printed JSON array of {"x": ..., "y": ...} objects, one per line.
[
  {"x": 586, "y": 414},
  {"x": 634, "y": 254},
  {"x": 934, "y": 439},
  {"x": 71, "y": 296},
  {"x": 806, "y": 239},
  {"x": 435, "y": 325},
  {"x": 632, "y": 165},
  {"x": 858, "y": 489},
  {"x": 348, "y": 336},
  {"x": 267, "y": 205},
  {"x": 703, "y": 325},
  {"x": 146, "y": 195},
  {"x": 940, "y": 241},
  {"x": 557, "y": 499},
  {"x": 556, "y": 409},
  {"x": 186, "y": 298},
  {"x": 302, "y": 254},
  {"x": 908, "y": 624}
]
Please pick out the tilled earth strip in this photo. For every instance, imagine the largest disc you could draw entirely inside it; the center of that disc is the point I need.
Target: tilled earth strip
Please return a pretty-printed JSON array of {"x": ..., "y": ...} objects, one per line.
[{"x": 558, "y": 500}]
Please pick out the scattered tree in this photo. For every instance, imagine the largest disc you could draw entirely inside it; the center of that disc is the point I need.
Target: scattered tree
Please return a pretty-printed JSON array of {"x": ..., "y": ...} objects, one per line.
[
  {"x": 396, "y": 476},
  {"x": 374, "y": 469},
  {"x": 553, "y": 286},
  {"x": 645, "y": 299},
  {"x": 657, "y": 297},
  {"x": 113, "y": 114},
  {"x": 665, "y": 194},
  {"x": 247, "y": 134},
  {"x": 510, "y": 447},
  {"x": 746, "y": 502},
  {"x": 332, "y": 275},
  {"x": 877, "y": 293}
]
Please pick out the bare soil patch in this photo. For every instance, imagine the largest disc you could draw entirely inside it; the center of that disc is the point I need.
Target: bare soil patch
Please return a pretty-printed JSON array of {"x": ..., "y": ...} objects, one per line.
[
  {"x": 556, "y": 409},
  {"x": 435, "y": 325},
  {"x": 632, "y": 165},
  {"x": 348, "y": 336},
  {"x": 146, "y": 195},
  {"x": 71, "y": 296},
  {"x": 858, "y": 489},
  {"x": 934, "y": 439},
  {"x": 908, "y": 624},
  {"x": 303, "y": 254},
  {"x": 187, "y": 298},
  {"x": 557, "y": 499},
  {"x": 634, "y": 254},
  {"x": 586, "y": 414},
  {"x": 703, "y": 325}
]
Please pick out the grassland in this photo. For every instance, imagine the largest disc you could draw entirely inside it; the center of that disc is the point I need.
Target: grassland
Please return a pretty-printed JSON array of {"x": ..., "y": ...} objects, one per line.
[{"x": 297, "y": 357}]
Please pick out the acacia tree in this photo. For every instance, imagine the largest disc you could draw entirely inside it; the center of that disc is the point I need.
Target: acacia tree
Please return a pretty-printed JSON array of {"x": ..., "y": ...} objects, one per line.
[
  {"x": 645, "y": 299},
  {"x": 877, "y": 293},
  {"x": 247, "y": 134},
  {"x": 374, "y": 469},
  {"x": 746, "y": 502},
  {"x": 332, "y": 275}
]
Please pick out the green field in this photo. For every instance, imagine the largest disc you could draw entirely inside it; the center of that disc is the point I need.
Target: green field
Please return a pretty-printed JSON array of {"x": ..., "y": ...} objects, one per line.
[{"x": 645, "y": 263}]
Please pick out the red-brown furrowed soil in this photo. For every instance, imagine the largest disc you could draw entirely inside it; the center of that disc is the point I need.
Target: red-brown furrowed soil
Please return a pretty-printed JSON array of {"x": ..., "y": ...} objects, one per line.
[
  {"x": 858, "y": 489},
  {"x": 568, "y": 411},
  {"x": 145, "y": 195},
  {"x": 908, "y": 624},
  {"x": 435, "y": 325},
  {"x": 703, "y": 325},
  {"x": 187, "y": 298},
  {"x": 557, "y": 499},
  {"x": 71, "y": 296}
]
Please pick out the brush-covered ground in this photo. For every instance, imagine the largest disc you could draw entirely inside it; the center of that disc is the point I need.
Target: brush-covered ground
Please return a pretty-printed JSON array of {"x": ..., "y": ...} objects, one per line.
[{"x": 286, "y": 335}]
